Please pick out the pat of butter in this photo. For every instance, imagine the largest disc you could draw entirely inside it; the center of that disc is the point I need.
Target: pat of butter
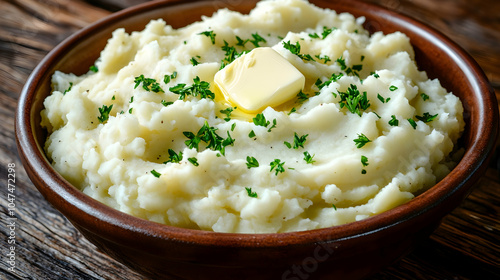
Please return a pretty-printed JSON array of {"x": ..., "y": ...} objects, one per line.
[{"x": 259, "y": 79}]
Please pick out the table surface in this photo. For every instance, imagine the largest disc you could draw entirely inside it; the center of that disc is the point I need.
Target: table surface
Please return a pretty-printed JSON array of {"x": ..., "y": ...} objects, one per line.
[{"x": 465, "y": 246}]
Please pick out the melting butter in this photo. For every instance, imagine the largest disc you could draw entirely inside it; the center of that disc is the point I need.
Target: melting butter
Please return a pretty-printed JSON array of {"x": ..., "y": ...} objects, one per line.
[{"x": 259, "y": 79}]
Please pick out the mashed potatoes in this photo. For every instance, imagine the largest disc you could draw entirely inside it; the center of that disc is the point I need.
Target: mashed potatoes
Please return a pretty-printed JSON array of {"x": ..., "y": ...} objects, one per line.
[{"x": 146, "y": 132}]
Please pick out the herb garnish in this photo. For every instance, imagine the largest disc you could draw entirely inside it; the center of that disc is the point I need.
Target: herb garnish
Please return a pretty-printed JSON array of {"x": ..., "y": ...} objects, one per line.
[
  {"x": 209, "y": 34},
  {"x": 208, "y": 135},
  {"x": 412, "y": 123},
  {"x": 393, "y": 88},
  {"x": 167, "y": 78},
  {"x": 295, "y": 49},
  {"x": 382, "y": 99},
  {"x": 393, "y": 121},
  {"x": 227, "y": 112},
  {"x": 198, "y": 87},
  {"x": 69, "y": 88},
  {"x": 194, "y": 161},
  {"x": 104, "y": 111},
  {"x": 257, "y": 39},
  {"x": 364, "y": 162},
  {"x": 251, "y": 134},
  {"x": 426, "y": 117},
  {"x": 361, "y": 140},
  {"x": 298, "y": 142},
  {"x": 193, "y": 60},
  {"x": 93, "y": 68},
  {"x": 155, "y": 173},
  {"x": 148, "y": 84},
  {"x": 260, "y": 120},
  {"x": 278, "y": 166},
  {"x": 250, "y": 193},
  {"x": 424, "y": 96},
  {"x": 353, "y": 100},
  {"x": 252, "y": 162},
  {"x": 308, "y": 158},
  {"x": 333, "y": 78},
  {"x": 173, "y": 156},
  {"x": 166, "y": 103}
]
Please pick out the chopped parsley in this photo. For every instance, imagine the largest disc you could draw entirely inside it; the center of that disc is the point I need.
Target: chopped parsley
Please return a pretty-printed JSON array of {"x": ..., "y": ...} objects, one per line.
[
  {"x": 364, "y": 162},
  {"x": 194, "y": 60},
  {"x": 148, "y": 84},
  {"x": 277, "y": 166},
  {"x": 193, "y": 161},
  {"x": 104, "y": 113},
  {"x": 424, "y": 96},
  {"x": 327, "y": 31},
  {"x": 233, "y": 126},
  {"x": 301, "y": 96},
  {"x": 210, "y": 34},
  {"x": 167, "y": 78},
  {"x": 155, "y": 173},
  {"x": 393, "y": 88},
  {"x": 257, "y": 39},
  {"x": 272, "y": 126},
  {"x": 241, "y": 42},
  {"x": 298, "y": 142},
  {"x": 382, "y": 99},
  {"x": 334, "y": 207},
  {"x": 335, "y": 77},
  {"x": 208, "y": 135},
  {"x": 353, "y": 100},
  {"x": 93, "y": 68},
  {"x": 251, "y": 134},
  {"x": 308, "y": 158},
  {"x": 250, "y": 193},
  {"x": 346, "y": 69},
  {"x": 173, "y": 156},
  {"x": 230, "y": 53},
  {"x": 69, "y": 88},
  {"x": 227, "y": 112},
  {"x": 260, "y": 120},
  {"x": 326, "y": 58},
  {"x": 252, "y": 162},
  {"x": 113, "y": 97},
  {"x": 198, "y": 87},
  {"x": 166, "y": 103},
  {"x": 393, "y": 121},
  {"x": 375, "y": 75},
  {"x": 295, "y": 49},
  {"x": 412, "y": 123},
  {"x": 426, "y": 117},
  {"x": 131, "y": 99},
  {"x": 361, "y": 140}
]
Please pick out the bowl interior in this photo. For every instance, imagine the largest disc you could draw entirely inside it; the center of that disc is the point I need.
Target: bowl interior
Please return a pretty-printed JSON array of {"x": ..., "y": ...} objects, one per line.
[{"x": 434, "y": 53}]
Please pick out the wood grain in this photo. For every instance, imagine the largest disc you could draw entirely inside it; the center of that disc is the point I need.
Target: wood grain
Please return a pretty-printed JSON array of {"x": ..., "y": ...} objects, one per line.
[{"x": 465, "y": 246}]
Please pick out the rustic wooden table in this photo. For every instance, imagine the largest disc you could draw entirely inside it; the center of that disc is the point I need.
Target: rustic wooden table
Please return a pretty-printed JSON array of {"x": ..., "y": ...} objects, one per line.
[{"x": 47, "y": 246}]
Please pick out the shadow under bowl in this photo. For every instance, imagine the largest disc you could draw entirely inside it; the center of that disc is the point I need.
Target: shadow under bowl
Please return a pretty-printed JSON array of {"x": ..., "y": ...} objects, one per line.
[{"x": 350, "y": 251}]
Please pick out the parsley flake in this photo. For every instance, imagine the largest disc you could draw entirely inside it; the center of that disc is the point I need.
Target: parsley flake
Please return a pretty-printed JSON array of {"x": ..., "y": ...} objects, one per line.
[
  {"x": 148, "y": 84},
  {"x": 308, "y": 158},
  {"x": 277, "y": 166},
  {"x": 208, "y": 135},
  {"x": 193, "y": 161},
  {"x": 393, "y": 88},
  {"x": 424, "y": 96},
  {"x": 412, "y": 123},
  {"x": 93, "y": 68},
  {"x": 361, "y": 140},
  {"x": 393, "y": 121},
  {"x": 104, "y": 113},
  {"x": 209, "y": 34},
  {"x": 173, "y": 156},
  {"x": 426, "y": 117},
  {"x": 69, "y": 88},
  {"x": 198, "y": 87},
  {"x": 298, "y": 142},
  {"x": 295, "y": 49},
  {"x": 260, "y": 120},
  {"x": 252, "y": 162},
  {"x": 353, "y": 100},
  {"x": 257, "y": 39},
  {"x": 382, "y": 99},
  {"x": 155, "y": 173},
  {"x": 250, "y": 193}
]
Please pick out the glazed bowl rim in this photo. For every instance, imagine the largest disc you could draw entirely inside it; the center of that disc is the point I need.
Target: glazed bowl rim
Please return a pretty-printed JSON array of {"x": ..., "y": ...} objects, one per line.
[{"x": 80, "y": 208}]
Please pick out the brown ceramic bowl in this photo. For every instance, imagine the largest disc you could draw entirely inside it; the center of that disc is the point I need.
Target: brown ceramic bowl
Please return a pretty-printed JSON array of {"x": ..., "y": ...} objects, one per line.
[{"x": 348, "y": 251}]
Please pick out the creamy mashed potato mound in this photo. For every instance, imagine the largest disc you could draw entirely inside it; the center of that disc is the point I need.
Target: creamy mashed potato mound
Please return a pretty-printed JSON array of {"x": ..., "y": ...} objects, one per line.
[{"x": 368, "y": 133}]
